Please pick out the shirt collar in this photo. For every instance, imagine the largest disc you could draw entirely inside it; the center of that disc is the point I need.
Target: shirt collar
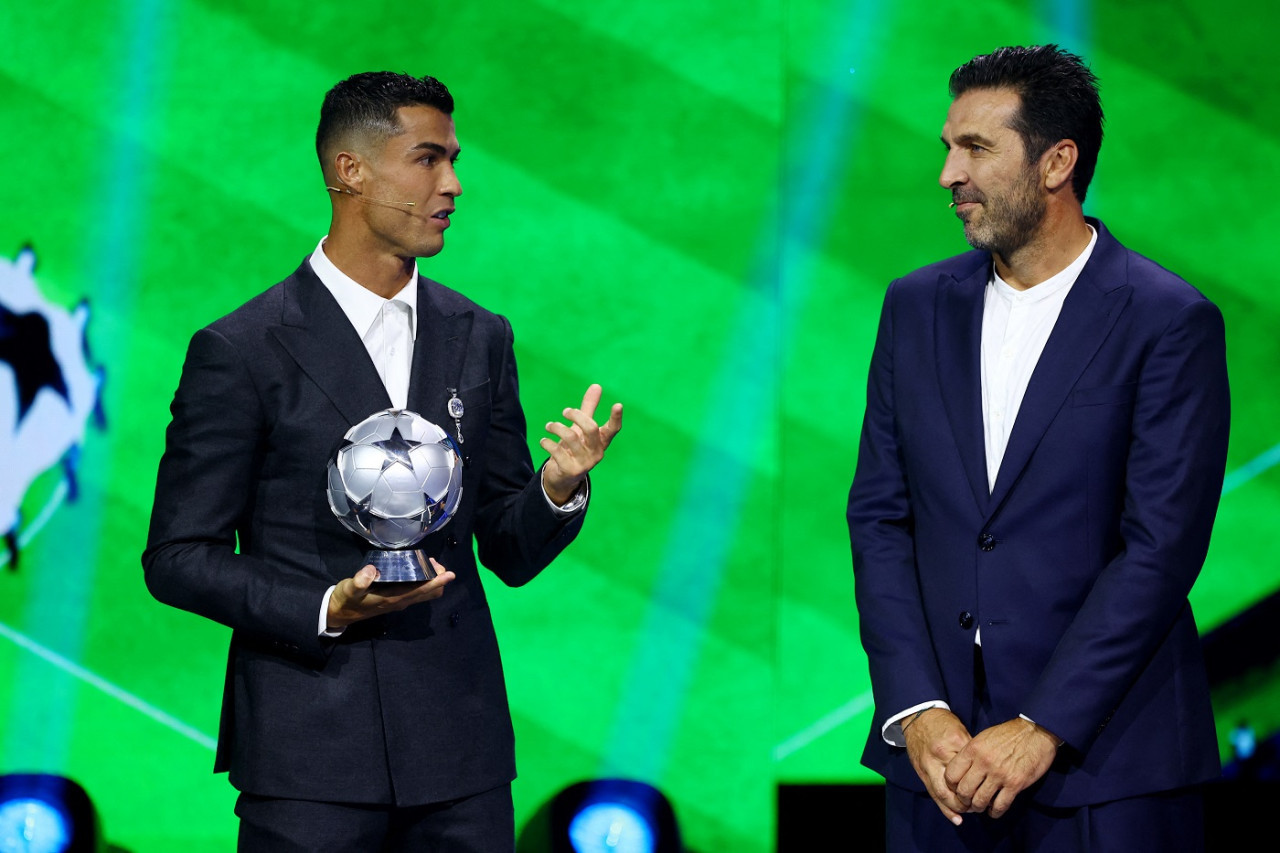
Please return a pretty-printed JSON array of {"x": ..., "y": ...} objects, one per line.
[
  {"x": 1050, "y": 286},
  {"x": 361, "y": 305}
]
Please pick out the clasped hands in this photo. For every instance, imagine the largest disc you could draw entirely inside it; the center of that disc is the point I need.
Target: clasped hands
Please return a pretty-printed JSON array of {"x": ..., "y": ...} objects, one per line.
[
  {"x": 982, "y": 773},
  {"x": 580, "y": 448}
]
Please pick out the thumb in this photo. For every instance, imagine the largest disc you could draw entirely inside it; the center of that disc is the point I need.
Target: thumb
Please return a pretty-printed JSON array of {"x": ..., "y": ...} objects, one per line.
[{"x": 362, "y": 581}]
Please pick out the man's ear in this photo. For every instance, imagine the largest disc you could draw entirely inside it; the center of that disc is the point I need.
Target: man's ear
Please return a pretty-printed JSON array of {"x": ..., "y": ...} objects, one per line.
[
  {"x": 348, "y": 169},
  {"x": 1059, "y": 164}
]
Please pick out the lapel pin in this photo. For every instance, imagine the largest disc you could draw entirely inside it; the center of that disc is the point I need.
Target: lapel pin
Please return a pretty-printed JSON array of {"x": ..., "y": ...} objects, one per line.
[{"x": 456, "y": 411}]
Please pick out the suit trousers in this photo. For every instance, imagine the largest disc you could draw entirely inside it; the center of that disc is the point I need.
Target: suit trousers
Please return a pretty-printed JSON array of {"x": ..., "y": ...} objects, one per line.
[{"x": 480, "y": 823}]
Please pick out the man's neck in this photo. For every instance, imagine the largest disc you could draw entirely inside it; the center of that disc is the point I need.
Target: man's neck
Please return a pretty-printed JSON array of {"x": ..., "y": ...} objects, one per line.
[
  {"x": 381, "y": 273},
  {"x": 1059, "y": 241}
]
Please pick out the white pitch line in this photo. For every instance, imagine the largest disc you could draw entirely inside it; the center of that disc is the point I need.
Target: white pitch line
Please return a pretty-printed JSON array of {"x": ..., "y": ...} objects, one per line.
[
  {"x": 855, "y": 706},
  {"x": 818, "y": 728},
  {"x": 97, "y": 681},
  {"x": 30, "y": 531},
  {"x": 1253, "y": 468}
]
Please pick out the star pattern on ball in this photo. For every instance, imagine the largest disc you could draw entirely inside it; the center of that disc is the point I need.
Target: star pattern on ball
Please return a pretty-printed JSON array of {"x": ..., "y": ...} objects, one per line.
[{"x": 396, "y": 450}]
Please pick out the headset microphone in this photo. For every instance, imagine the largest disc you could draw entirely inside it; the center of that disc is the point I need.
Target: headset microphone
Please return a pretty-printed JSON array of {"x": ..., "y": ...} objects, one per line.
[
  {"x": 953, "y": 204},
  {"x": 359, "y": 197}
]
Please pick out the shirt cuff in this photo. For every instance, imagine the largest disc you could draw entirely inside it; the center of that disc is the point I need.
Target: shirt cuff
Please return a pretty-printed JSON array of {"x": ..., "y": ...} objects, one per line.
[
  {"x": 576, "y": 501},
  {"x": 322, "y": 626},
  {"x": 892, "y": 730},
  {"x": 1059, "y": 740}
]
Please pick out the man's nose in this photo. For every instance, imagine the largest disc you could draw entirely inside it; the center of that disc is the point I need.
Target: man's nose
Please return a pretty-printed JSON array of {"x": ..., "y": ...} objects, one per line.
[{"x": 952, "y": 174}]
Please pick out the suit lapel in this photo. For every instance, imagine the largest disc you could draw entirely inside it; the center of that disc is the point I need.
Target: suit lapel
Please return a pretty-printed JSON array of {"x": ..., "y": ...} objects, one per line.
[
  {"x": 321, "y": 340},
  {"x": 1088, "y": 314},
  {"x": 958, "y": 337},
  {"x": 439, "y": 351}
]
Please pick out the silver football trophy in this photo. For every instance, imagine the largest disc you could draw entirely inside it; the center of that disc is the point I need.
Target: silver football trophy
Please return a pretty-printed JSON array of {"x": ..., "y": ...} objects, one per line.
[{"x": 396, "y": 478}]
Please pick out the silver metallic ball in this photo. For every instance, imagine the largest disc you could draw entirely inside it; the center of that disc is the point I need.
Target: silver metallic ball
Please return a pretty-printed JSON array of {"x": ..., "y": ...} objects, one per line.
[{"x": 396, "y": 478}]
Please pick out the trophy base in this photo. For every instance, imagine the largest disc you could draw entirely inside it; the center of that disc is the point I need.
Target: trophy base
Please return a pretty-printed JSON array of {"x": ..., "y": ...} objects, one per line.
[{"x": 398, "y": 566}]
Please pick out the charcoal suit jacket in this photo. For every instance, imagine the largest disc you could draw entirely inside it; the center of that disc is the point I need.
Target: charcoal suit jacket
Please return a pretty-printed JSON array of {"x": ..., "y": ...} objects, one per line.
[
  {"x": 1078, "y": 564},
  {"x": 406, "y": 708}
]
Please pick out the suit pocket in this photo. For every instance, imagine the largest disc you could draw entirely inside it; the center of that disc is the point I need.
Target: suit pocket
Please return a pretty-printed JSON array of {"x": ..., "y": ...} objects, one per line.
[
  {"x": 476, "y": 396},
  {"x": 1105, "y": 395}
]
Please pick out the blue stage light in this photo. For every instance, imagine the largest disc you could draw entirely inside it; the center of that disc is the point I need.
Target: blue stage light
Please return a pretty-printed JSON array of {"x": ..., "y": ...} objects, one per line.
[
  {"x": 40, "y": 813},
  {"x": 610, "y": 828},
  {"x": 613, "y": 816},
  {"x": 33, "y": 826}
]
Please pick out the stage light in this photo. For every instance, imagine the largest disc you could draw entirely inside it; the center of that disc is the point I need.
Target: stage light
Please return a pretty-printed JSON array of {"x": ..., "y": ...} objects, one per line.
[
  {"x": 40, "y": 813},
  {"x": 613, "y": 816}
]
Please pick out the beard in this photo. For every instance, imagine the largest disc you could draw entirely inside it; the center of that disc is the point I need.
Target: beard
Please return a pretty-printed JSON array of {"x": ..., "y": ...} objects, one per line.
[{"x": 1007, "y": 222}]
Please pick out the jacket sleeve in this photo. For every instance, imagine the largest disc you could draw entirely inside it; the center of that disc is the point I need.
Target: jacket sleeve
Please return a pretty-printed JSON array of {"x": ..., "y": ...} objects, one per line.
[
  {"x": 904, "y": 669},
  {"x": 205, "y": 491},
  {"x": 517, "y": 532},
  {"x": 1172, "y": 483}
]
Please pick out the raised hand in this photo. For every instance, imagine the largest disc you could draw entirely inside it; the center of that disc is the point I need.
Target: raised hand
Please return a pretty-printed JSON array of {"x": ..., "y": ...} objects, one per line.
[{"x": 580, "y": 447}]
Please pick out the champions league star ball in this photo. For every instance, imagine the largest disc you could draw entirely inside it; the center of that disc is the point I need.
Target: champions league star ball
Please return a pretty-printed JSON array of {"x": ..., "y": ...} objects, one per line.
[{"x": 396, "y": 478}]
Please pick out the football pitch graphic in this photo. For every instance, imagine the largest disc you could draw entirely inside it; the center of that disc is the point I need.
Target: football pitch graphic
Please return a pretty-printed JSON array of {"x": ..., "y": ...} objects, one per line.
[{"x": 698, "y": 205}]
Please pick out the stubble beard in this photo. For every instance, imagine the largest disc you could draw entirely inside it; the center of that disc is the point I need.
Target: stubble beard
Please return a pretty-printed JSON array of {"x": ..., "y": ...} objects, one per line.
[{"x": 1008, "y": 223}]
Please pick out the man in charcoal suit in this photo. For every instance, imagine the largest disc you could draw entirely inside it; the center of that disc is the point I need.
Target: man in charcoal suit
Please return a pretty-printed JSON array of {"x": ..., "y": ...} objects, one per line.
[
  {"x": 358, "y": 715},
  {"x": 1040, "y": 465}
]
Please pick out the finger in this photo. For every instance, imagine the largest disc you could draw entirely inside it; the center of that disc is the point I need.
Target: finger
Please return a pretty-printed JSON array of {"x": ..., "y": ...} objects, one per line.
[
  {"x": 434, "y": 588},
  {"x": 613, "y": 426},
  {"x": 584, "y": 423},
  {"x": 1002, "y": 803},
  {"x": 591, "y": 399},
  {"x": 564, "y": 433},
  {"x": 441, "y": 580},
  {"x": 946, "y": 801},
  {"x": 945, "y": 797},
  {"x": 967, "y": 788},
  {"x": 957, "y": 768},
  {"x": 561, "y": 454},
  {"x": 949, "y": 813},
  {"x": 982, "y": 797}
]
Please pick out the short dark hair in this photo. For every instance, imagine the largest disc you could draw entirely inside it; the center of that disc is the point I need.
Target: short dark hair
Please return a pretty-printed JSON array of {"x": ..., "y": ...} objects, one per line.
[
  {"x": 367, "y": 103},
  {"x": 1059, "y": 100}
]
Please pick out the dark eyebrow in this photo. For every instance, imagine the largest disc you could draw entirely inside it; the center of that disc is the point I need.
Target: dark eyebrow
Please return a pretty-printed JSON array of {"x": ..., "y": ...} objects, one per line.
[
  {"x": 968, "y": 139},
  {"x": 437, "y": 148}
]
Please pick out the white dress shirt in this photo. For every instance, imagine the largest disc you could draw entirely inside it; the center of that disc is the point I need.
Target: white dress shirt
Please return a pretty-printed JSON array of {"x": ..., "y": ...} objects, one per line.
[
  {"x": 388, "y": 327},
  {"x": 1015, "y": 328}
]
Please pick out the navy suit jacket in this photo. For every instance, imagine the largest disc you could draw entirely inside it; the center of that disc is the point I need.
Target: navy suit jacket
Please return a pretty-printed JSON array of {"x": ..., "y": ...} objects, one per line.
[
  {"x": 405, "y": 708},
  {"x": 1078, "y": 564}
]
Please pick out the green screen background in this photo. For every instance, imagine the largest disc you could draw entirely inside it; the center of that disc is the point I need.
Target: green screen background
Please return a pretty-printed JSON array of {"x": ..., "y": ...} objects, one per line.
[{"x": 698, "y": 205}]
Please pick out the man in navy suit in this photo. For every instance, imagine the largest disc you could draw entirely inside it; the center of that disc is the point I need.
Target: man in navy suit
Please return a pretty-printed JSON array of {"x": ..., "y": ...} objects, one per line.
[
  {"x": 1040, "y": 464},
  {"x": 361, "y": 716}
]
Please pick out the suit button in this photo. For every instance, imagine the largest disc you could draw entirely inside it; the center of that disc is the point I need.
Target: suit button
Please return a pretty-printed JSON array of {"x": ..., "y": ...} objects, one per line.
[
  {"x": 987, "y": 542},
  {"x": 966, "y": 619},
  {"x": 454, "y": 618},
  {"x": 452, "y": 542}
]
